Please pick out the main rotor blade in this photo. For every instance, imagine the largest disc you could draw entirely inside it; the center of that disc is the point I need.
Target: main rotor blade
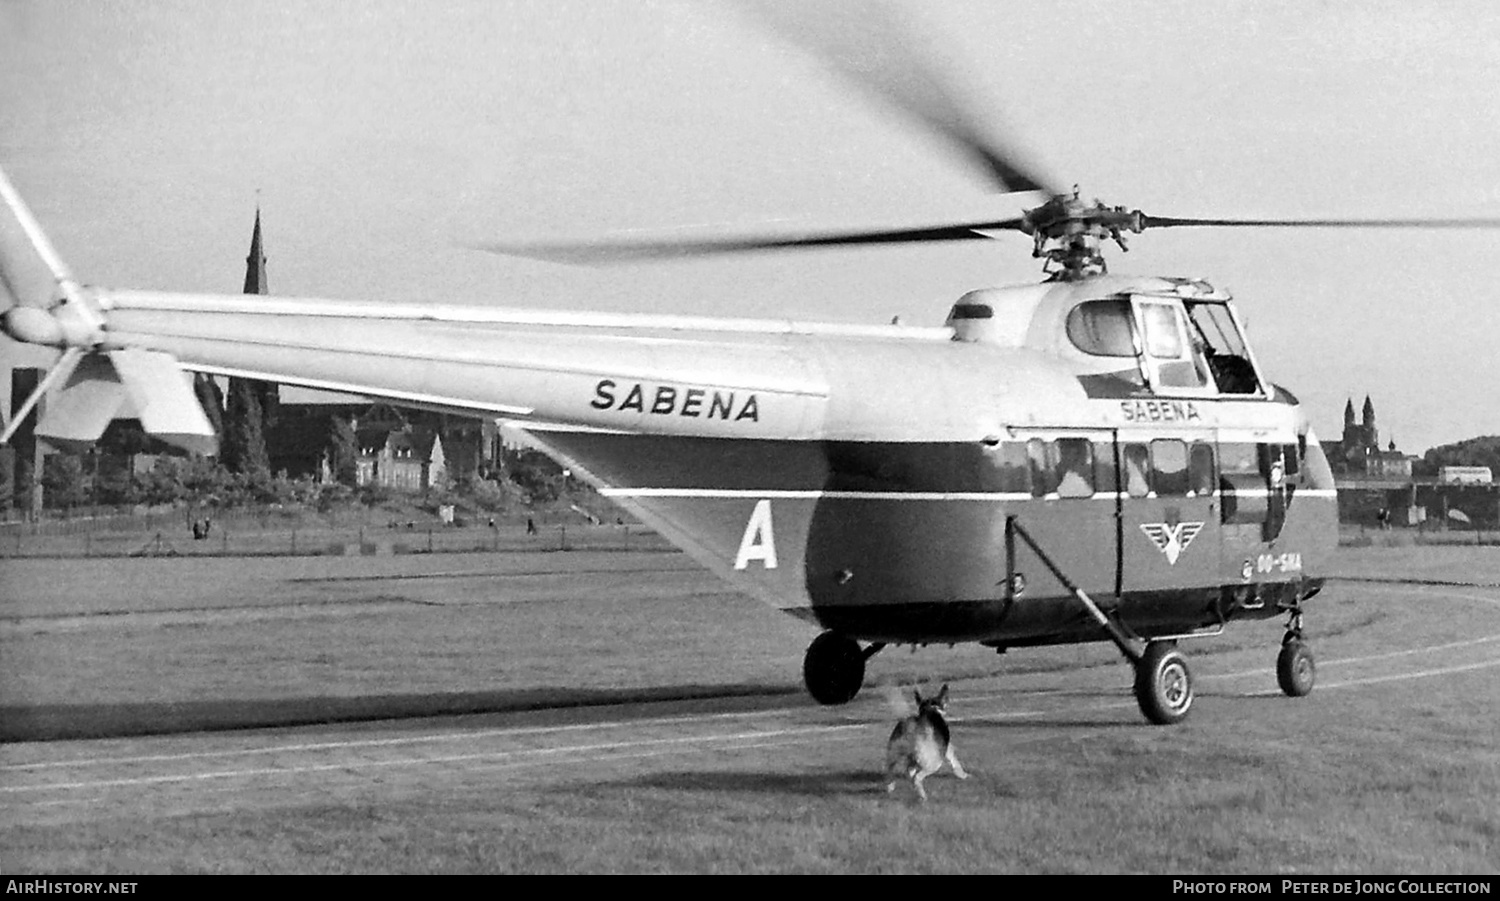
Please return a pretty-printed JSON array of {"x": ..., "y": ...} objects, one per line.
[
  {"x": 1170, "y": 222},
  {"x": 866, "y": 44},
  {"x": 646, "y": 249}
]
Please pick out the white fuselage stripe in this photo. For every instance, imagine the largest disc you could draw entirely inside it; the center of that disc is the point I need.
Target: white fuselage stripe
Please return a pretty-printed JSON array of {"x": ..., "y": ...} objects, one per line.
[{"x": 813, "y": 493}]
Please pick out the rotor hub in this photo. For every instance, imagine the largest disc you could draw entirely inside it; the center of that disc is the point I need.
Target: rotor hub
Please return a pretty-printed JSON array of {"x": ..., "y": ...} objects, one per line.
[{"x": 1067, "y": 232}]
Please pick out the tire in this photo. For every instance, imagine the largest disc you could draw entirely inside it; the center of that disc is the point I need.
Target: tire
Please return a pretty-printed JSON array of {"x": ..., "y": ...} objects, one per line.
[
  {"x": 834, "y": 669},
  {"x": 1163, "y": 684},
  {"x": 1295, "y": 669}
]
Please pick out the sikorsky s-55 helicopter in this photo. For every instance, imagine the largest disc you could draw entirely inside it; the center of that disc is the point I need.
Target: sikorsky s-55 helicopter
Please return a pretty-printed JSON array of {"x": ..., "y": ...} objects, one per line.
[{"x": 1096, "y": 457}]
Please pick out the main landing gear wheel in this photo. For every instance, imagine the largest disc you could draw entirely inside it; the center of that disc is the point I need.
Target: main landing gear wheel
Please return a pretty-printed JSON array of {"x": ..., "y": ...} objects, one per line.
[
  {"x": 834, "y": 668},
  {"x": 1163, "y": 685},
  {"x": 1295, "y": 669}
]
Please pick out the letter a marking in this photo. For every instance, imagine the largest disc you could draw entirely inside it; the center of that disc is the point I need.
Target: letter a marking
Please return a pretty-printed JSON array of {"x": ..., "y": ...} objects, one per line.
[{"x": 759, "y": 542}]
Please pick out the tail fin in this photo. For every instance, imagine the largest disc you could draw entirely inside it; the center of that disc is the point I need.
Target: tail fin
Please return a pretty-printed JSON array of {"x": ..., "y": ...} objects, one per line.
[{"x": 45, "y": 305}]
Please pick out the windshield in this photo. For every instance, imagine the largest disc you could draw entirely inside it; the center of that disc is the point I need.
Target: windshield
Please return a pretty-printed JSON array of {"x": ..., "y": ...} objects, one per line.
[{"x": 1223, "y": 346}]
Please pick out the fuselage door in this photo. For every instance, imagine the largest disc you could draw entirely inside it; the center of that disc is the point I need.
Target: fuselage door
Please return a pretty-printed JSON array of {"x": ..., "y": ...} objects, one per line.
[
  {"x": 1071, "y": 513},
  {"x": 1171, "y": 531}
]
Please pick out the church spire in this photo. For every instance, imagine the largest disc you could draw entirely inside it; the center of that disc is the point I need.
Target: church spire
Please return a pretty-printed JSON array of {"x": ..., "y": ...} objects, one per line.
[
  {"x": 1369, "y": 412},
  {"x": 255, "y": 263},
  {"x": 251, "y": 406},
  {"x": 1348, "y": 413}
]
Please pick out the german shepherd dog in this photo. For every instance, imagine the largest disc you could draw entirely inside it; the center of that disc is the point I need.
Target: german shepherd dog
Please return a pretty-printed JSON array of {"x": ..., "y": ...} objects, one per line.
[{"x": 920, "y": 745}]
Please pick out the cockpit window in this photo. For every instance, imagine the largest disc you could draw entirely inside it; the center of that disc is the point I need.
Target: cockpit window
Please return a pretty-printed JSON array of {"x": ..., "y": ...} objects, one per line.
[
  {"x": 1163, "y": 338},
  {"x": 1102, "y": 328},
  {"x": 1223, "y": 347},
  {"x": 1173, "y": 361}
]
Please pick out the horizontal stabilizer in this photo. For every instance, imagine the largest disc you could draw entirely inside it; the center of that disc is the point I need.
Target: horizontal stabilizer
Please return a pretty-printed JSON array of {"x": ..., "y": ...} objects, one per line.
[
  {"x": 142, "y": 384},
  {"x": 78, "y": 413}
]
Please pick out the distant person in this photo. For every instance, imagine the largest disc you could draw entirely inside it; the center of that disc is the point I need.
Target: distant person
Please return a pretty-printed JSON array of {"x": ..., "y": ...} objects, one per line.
[
  {"x": 198, "y": 531},
  {"x": 530, "y": 526}
]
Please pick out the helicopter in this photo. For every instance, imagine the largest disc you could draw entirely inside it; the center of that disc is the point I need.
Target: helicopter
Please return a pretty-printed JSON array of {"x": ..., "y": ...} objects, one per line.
[{"x": 1092, "y": 457}]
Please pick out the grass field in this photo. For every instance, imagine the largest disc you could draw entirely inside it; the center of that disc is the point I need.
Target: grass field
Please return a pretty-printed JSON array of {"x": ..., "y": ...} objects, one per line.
[{"x": 1390, "y": 766}]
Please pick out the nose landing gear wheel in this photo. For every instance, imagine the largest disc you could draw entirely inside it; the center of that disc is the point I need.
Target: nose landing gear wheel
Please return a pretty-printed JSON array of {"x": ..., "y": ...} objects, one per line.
[
  {"x": 1295, "y": 669},
  {"x": 1163, "y": 685},
  {"x": 834, "y": 669}
]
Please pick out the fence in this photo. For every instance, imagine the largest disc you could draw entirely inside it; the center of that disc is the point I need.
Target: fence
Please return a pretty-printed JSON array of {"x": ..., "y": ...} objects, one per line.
[{"x": 306, "y": 533}]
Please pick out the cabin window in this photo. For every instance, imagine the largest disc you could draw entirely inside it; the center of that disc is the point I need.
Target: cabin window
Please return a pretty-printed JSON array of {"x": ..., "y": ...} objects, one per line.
[
  {"x": 1238, "y": 458},
  {"x": 1137, "y": 470},
  {"x": 1102, "y": 328},
  {"x": 1278, "y": 462},
  {"x": 1043, "y": 458},
  {"x": 1104, "y": 467},
  {"x": 1075, "y": 467},
  {"x": 1169, "y": 467},
  {"x": 1201, "y": 476},
  {"x": 1010, "y": 468}
]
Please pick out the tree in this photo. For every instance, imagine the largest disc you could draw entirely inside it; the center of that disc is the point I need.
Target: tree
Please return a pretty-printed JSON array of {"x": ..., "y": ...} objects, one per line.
[
  {"x": 343, "y": 451},
  {"x": 536, "y": 474},
  {"x": 163, "y": 484},
  {"x": 115, "y": 481},
  {"x": 244, "y": 447},
  {"x": 64, "y": 482},
  {"x": 1483, "y": 451}
]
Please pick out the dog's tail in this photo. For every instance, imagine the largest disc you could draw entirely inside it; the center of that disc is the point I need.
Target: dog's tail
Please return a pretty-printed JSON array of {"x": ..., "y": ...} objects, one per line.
[{"x": 897, "y": 700}]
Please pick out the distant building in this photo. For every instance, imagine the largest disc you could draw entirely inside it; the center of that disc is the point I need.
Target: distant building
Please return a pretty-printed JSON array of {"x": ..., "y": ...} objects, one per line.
[
  {"x": 1359, "y": 454},
  {"x": 1465, "y": 475},
  {"x": 268, "y": 393},
  {"x": 407, "y": 460},
  {"x": 299, "y": 444}
]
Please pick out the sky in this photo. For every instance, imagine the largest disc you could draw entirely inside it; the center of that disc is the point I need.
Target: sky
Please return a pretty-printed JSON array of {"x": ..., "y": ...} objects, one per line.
[{"x": 382, "y": 140}]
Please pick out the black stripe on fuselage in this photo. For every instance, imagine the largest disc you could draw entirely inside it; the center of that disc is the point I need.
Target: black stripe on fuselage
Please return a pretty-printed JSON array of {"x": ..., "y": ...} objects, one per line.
[
  {"x": 1034, "y": 621},
  {"x": 667, "y": 463}
]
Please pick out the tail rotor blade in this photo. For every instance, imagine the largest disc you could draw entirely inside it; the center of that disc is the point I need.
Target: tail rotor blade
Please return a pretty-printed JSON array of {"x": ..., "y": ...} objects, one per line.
[
  {"x": 60, "y": 370},
  {"x": 32, "y": 273}
]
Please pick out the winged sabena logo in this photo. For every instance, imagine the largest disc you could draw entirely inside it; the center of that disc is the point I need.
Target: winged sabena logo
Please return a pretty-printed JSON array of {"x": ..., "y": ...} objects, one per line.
[{"x": 1172, "y": 540}]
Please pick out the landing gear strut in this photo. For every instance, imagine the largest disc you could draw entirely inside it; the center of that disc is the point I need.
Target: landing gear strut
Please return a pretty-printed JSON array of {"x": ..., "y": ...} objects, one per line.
[
  {"x": 834, "y": 668},
  {"x": 1295, "y": 668},
  {"x": 1163, "y": 684}
]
